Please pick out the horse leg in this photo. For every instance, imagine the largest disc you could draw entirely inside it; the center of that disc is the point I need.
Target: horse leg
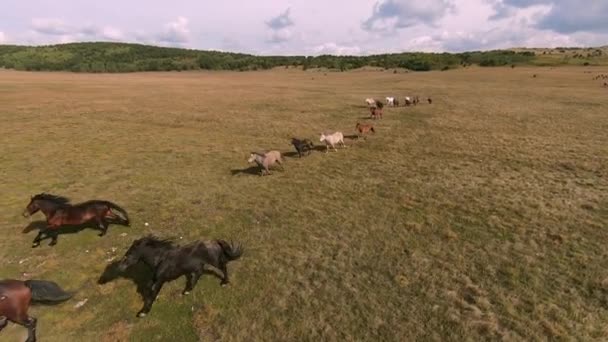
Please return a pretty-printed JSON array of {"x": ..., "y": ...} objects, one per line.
[
  {"x": 3, "y": 322},
  {"x": 192, "y": 279},
  {"x": 189, "y": 285},
  {"x": 38, "y": 238},
  {"x": 103, "y": 225},
  {"x": 148, "y": 301},
  {"x": 224, "y": 270},
  {"x": 29, "y": 323},
  {"x": 54, "y": 234},
  {"x": 31, "y": 329}
]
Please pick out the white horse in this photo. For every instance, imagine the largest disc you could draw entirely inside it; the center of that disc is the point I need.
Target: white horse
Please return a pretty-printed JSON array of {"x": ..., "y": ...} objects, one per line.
[
  {"x": 332, "y": 140},
  {"x": 265, "y": 160},
  {"x": 390, "y": 101},
  {"x": 370, "y": 102}
]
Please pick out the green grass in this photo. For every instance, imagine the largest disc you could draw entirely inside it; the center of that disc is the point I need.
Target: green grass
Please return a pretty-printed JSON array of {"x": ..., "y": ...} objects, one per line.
[{"x": 481, "y": 216}]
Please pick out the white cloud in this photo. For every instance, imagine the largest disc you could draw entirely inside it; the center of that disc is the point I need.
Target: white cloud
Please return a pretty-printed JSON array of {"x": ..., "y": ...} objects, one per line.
[
  {"x": 111, "y": 33},
  {"x": 390, "y": 15},
  {"x": 175, "y": 32},
  {"x": 280, "y": 36},
  {"x": 50, "y": 26},
  {"x": 336, "y": 49},
  {"x": 279, "y": 28}
]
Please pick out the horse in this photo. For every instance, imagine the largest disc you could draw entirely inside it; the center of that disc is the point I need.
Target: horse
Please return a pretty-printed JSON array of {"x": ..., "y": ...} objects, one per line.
[
  {"x": 59, "y": 212},
  {"x": 376, "y": 113},
  {"x": 266, "y": 160},
  {"x": 332, "y": 139},
  {"x": 169, "y": 262},
  {"x": 396, "y": 102},
  {"x": 370, "y": 101},
  {"x": 16, "y": 297},
  {"x": 302, "y": 146},
  {"x": 390, "y": 101},
  {"x": 379, "y": 104},
  {"x": 364, "y": 129}
]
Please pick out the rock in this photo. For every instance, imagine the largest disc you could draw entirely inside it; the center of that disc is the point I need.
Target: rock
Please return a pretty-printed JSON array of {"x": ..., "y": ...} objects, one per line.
[{"x": 81, "y": 303}]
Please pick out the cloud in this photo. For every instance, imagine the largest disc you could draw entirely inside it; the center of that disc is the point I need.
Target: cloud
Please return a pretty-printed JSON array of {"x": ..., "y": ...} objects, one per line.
[
  {"x": 70, "y": 33},
  {"x": 573, "y": 16},
  {"x": 50, "y": 26},
  {"x": 391, "y": 15},
  {"x": 279, "y": 28},
  {"x": 563, "y": 16},
  {"x": 280, "y": 36},
  {"x": 336, "y": 49},
  {"x": 281, "y": 21},
  {"x": 175, "y": 32}
]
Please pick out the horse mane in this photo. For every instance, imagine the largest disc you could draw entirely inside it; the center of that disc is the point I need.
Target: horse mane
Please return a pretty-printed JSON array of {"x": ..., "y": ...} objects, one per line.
[
  {"x": 53, "y": 198},
  {"x": 157, "y": 242}
]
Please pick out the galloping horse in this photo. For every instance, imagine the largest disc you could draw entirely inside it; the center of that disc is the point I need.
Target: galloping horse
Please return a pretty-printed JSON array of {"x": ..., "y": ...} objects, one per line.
[
  {"x": 59, "y": 212},
  {"x": 266, "y": 160},
  {"x": 169, "y": 261},
  {"x": 16, "y": 297}
]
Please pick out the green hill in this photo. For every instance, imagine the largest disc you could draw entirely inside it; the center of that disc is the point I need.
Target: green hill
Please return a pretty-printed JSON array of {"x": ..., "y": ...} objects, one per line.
[{"x": 122, "y": 57}]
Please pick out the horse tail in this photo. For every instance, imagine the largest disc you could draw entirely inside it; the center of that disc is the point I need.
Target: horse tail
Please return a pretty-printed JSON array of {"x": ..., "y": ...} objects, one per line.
[
  {"x": 373, "y": 130},
  {"x": 114, "y": 206},
  {"x": 47, "y": 291},
  {"x": 230, "y": 250}
]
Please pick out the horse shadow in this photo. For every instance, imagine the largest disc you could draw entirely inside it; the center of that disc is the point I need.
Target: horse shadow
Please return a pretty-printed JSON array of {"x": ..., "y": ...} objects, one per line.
[
  {"x": 252, "y": 170},
  {"x": 63, "y": 230},
  {"x": 351, "y": 137},
  {"x": 139, "y": 274}
]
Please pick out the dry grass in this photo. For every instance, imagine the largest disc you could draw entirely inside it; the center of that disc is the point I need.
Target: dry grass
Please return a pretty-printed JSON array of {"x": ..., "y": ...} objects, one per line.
[{"x": 481, "y": 216}]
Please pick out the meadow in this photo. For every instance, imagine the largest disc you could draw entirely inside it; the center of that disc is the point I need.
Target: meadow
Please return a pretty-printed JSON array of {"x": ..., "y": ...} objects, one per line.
[{"x": 482, "y": 216}]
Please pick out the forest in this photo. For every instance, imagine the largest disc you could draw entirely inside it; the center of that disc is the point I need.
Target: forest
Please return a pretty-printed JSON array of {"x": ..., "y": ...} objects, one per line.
[{"x": 104, "y": 57}]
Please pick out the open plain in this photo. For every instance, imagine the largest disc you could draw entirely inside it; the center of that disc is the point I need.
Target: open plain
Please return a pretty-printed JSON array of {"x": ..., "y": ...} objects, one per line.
[{"x": 483, "y": 215}]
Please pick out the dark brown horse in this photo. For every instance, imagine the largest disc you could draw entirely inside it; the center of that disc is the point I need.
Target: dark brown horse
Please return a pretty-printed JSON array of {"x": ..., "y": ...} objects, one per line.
[
  {"x": 16, "y": 297},
  {"x": 59, "y": 212}
]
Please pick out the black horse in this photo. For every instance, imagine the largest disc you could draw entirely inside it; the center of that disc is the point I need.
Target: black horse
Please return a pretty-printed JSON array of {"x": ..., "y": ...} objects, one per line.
[
  {"x": 302, "y": 146},
  {"x": 169, "y": 262}
]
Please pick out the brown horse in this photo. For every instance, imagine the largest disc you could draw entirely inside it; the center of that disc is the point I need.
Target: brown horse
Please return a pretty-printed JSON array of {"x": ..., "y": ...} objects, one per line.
[
  {"x": 376, "y": 113},
  {"x": 363, "y": 129},
  {"x": 16, "y": 297},
  {"x": 59, "y": 212}
]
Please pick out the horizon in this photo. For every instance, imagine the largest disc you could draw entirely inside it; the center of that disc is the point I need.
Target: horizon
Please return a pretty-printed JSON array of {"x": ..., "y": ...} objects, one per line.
[
  {"x": 317, "y": 55},
  {"x": 309, "y": 28}
]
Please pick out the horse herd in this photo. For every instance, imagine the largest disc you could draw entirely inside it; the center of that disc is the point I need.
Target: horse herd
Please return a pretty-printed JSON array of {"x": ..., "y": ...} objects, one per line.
[
  {"x": 264, "y": 160},
  {"x": 166, "y": 260}
]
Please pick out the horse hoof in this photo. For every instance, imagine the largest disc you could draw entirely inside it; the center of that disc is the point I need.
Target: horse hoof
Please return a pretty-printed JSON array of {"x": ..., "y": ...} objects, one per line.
[
  {"x": 224, "y": 284},
  {"x": 185, "y": 293},
  {"x": 141, "y": 315},
  {"x": 35, "y": 245}
]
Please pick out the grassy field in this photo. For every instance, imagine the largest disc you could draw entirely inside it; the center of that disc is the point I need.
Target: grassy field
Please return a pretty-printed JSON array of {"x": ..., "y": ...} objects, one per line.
[{"x": 481, "y": 216}]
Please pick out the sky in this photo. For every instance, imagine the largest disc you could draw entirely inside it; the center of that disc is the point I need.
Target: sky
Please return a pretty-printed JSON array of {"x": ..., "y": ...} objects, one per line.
[{"x": 310, "y": 27}]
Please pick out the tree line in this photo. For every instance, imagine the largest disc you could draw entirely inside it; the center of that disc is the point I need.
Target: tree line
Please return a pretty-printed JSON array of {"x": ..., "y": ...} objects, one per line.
[{"x": 122, "y": 57}]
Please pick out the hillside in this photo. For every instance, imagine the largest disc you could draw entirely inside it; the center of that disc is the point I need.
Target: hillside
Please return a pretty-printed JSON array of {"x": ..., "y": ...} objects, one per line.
[{"x": 121, "y": 57}]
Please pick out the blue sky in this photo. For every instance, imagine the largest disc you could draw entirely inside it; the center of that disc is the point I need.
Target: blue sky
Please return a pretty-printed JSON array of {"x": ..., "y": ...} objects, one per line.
[{"x": 310, "y": 27}]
